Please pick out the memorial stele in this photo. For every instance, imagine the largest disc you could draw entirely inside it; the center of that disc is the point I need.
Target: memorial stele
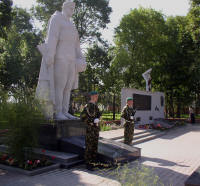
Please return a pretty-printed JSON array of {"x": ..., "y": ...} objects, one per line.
[{"x": 62, "y": 60}]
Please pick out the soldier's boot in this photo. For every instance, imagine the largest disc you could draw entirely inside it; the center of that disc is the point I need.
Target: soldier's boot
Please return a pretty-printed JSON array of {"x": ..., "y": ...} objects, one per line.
[{"x": 90, "y": 167}]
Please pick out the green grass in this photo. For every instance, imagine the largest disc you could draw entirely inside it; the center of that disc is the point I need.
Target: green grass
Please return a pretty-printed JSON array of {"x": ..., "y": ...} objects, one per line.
[
  {"x": 187, "y": 116},
  {"x": 109, "y": 116},
  {"x": 106, "y": 116},
  {"x": 105, "y": 127}
]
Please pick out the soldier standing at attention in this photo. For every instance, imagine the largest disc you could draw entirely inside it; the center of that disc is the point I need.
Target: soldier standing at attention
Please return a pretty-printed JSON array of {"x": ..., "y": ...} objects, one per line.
[
  {"x": 91, "y": 116},
  {"x": 128, "y": 114}
]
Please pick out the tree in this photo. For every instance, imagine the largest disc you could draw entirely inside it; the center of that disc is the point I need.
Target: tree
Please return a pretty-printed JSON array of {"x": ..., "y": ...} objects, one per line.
[
  {"x": 146, "y": 39},
  {"x": 194, "y": 29},
  {"x": 90, "y": 16},
  {"x": 173, "y": 75},
  {"x": 5, "y": 16},
  {"x": 140, "y": 41},
  {"x": 20, "y": 60}
]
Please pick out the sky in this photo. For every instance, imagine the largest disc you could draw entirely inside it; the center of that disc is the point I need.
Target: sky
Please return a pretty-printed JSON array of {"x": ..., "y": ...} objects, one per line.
[{"x": 122, "y": 7}]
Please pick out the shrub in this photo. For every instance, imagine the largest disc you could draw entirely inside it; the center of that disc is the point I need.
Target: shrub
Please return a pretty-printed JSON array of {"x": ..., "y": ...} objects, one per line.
[
  {"x": 23, "y": 119},
  {"x": 135, "y": 174}
]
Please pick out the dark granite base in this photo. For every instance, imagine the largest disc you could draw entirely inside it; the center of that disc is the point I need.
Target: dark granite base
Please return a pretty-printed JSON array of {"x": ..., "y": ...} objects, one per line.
[
  {"x": 117, "y": 151},
  {"x": 50, "y": 134},
  {"x": 108, "y": 150},
  {"x": 194, "y": 179},
  {"x": 69, "y": 136}
]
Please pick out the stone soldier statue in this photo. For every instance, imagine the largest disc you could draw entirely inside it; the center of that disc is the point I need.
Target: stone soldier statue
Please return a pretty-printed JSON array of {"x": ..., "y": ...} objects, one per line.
[
  {"x": 128, "y": 114},
  {"x": 61, "y": 63},
  {"x": 91, "y": 116}
]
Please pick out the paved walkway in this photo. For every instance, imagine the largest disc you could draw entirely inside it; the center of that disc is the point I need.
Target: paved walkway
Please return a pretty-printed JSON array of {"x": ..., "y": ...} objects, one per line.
[
  {"x": 173, "y": 156},
  {"x": 116, "y": 133}
]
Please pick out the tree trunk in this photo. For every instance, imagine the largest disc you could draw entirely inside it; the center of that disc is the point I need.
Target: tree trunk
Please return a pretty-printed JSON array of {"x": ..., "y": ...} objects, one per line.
[
  {"x": 178, "y": 112},
  {"x": 171, "y": 105},
  {"x": 114, "y": 98}
]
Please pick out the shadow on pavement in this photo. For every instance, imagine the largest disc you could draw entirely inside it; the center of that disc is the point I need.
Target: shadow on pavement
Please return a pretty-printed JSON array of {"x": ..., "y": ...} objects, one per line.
[
  {"x": 161, "y": 162},
  {"x": 179, "y": 131},
  {"x": 138, "y": 175}
]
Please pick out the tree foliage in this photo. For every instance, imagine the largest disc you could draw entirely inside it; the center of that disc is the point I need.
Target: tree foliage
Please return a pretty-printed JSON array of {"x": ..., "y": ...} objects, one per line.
[
  {"x": 5, "y": 16},
  {"x": 194, "y": 28},
  {"x": 20, "y": 60},
  {"x": 146, "y": 39},
  {"x": 140, "y": 42},
  {"x": 90, "y": 16}
]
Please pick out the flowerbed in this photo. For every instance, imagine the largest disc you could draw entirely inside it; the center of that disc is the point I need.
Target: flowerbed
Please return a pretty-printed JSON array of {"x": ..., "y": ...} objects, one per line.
[{"x": 30, "y": 164}]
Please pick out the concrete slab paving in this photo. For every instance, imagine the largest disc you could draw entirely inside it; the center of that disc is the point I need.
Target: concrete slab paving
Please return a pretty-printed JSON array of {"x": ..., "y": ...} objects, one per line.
[{"x": 173, "y": 158}]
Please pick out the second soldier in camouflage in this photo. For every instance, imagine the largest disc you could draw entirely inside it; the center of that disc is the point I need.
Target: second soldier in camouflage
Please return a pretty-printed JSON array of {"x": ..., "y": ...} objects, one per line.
[{"x": 128, "y": 113}]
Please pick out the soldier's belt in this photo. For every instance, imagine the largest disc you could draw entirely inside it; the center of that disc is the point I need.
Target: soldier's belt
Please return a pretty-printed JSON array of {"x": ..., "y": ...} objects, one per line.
[
  {"x": 129, "y": 121},
  {"x": 93, "y": 124}
]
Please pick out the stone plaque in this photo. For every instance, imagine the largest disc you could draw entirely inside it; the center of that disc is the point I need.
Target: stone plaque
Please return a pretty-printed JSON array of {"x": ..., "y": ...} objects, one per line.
[{"x": 142, "y": 102}]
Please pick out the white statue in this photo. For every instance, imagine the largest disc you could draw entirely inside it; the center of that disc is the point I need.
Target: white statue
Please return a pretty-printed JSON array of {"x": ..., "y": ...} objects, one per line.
[
  {"x": 61, "y": 63},
  {"x": 147, "y": 76}
]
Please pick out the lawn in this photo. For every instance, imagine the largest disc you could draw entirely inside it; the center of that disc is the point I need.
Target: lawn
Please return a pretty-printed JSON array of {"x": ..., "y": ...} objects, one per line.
[
  {"x": 108, "y": 116},
  {"x": 187, "y": 116}
]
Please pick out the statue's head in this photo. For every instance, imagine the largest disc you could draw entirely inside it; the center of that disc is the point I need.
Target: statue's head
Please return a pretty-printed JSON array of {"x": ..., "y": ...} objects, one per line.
[{"x": 68, "y": 8}]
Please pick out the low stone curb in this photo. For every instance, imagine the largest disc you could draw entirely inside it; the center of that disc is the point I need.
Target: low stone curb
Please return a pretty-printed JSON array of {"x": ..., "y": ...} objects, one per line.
[
  {"x": 30, "y": 173},
  {"x": 194, "y": 179}
]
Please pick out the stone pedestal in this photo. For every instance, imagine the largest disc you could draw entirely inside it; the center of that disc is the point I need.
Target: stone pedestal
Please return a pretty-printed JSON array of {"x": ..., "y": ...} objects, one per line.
[
  {"x": 69, "y": 136},
  {"x": 50, "y": 134}
]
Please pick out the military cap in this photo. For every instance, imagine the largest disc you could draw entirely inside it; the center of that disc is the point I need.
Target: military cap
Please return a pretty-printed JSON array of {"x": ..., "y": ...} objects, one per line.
[
  {"x": 93, "y": 93},
  {"x": 129, "y": 98}
]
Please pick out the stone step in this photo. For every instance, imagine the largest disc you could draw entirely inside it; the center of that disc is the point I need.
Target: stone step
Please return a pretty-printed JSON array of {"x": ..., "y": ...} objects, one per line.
[
  {"x": 144, "y": 137},
  {"x": 66, "y": 160},
  {"x": 3, "y": 148},
  {"x": 59, "y": 157},
  {"x": 72, "y": 164},
  {"x": 139, "y": 136},
  {"x": 138, "y": 133},
  {"x": 148, "y": 138}
]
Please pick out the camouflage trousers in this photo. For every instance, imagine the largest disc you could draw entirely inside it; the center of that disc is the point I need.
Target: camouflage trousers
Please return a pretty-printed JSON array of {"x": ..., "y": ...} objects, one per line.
[
  {"x": 91, "y": 143},
  {"x": 128, "y": 132}
]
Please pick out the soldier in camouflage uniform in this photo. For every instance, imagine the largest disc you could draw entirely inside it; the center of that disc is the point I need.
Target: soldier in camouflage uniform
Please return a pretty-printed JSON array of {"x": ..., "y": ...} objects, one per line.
[
  {"x": 128, "y": 114},
  {"x": 91, "y": 116}
]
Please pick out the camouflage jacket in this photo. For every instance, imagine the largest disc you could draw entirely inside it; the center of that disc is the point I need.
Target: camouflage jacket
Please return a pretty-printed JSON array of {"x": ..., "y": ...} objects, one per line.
[
  {"x": 90, "y": 112},
  {"x": 128, "y": 113}
]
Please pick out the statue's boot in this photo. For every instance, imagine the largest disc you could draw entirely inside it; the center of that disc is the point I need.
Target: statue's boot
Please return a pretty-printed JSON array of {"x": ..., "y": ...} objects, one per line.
[
  {"x": 61, "y": 116},
  {"x": 68, "y": 115}
]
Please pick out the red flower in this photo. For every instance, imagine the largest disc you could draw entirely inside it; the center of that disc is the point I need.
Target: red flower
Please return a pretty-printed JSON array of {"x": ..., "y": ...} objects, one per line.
[
  {"x": 53, "y": 157},
  {"x": 29, "y": 162},
  {"x": 158, "y": 125},
  {"x": 10, "y": 159},
  {"x": 4, "y": 156},
  {"x": 43, "y": 150}
]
